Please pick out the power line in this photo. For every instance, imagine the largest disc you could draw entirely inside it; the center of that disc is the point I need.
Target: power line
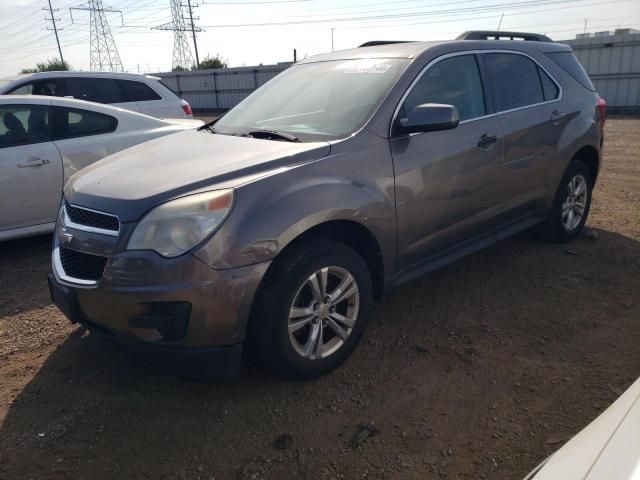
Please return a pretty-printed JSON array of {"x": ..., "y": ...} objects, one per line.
[{"x": 434, "y": 13}]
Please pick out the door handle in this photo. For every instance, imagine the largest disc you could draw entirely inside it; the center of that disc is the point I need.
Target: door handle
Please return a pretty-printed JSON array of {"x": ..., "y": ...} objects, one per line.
[
  {"x": 486, "y": 141},
  {"x": 34, "y": 162},
  {"x": 556, "y": 116}
]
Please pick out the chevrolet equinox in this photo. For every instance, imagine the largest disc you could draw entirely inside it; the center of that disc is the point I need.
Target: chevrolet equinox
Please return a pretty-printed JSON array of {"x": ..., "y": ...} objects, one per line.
[{"x": 276, "y": 226}]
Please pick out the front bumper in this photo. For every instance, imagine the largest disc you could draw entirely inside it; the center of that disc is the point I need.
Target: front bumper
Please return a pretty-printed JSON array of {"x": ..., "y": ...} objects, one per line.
[{"x": 140, "y": 290}]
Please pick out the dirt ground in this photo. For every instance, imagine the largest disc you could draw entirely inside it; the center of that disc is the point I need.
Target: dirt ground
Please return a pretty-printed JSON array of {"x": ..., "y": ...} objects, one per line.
[{"x": 479, "y": 370}]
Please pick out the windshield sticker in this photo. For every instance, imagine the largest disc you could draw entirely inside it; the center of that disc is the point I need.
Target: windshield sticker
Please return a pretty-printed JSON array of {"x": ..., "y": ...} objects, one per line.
[{"x": 364, "y": 67}]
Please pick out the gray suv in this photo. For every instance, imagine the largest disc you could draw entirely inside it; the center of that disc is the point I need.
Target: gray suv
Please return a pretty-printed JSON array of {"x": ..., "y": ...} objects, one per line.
[{"x": 275, "y": 227}]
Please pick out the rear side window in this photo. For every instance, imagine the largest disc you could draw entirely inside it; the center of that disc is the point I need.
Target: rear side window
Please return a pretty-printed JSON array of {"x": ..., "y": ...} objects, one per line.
[
  {"x": 138, "y": 91},
  {"x": 100, "y": 90},
  {"x": 515, "y": 80},
  {"x": 571, "y": 65},
  {"x": 549, "y": 87},
  {"x": 74, "y": 122},
  {"x": 452, "y": 81}
]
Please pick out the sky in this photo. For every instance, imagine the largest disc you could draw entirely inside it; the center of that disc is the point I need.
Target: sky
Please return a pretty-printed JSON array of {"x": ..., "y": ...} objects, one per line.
[{"x": 252, "y": 32}]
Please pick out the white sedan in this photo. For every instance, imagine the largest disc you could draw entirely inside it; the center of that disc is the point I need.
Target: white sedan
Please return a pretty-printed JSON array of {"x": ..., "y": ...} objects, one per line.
[
  {"x": 45, "y": 140},
  {"x": 607, "y": 449}
]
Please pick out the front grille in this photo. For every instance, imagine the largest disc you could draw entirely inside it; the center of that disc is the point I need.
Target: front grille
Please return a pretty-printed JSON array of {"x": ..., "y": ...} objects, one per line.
[
  {"x": 84, "y": 266},
  {"x": 89, "y": 218}
]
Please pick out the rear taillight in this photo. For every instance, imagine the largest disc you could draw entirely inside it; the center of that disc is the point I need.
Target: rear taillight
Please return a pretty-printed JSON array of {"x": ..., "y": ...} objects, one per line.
[
  {"x": 186, "y": 108},
  {"x": 602, "y": 110}
]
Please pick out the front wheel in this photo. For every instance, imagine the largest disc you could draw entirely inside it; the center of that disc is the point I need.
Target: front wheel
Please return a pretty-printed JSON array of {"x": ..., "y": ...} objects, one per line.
[
  {"x": 568, "y": 213},
  {"x": 312, "y": 309}
]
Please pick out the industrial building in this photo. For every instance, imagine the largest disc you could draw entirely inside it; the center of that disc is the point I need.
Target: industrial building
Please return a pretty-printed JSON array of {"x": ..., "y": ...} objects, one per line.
[{"x": 612, "y": 60}]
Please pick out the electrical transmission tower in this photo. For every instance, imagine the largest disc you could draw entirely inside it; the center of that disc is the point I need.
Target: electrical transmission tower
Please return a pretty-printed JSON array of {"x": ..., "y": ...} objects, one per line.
[
  {"x": 182, "y": 56},
  {"x": 104, "y": 53}
]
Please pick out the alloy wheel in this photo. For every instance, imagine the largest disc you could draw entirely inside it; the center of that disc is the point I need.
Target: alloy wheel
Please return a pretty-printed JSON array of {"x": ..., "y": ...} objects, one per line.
[
  {"x": 323, "y": 313},
  {"x": 575, "y": 202}
]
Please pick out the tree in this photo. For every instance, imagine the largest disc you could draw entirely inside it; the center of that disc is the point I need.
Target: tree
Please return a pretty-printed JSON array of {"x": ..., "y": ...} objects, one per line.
[
  {"x": 180, "y": 69},
  {"x": 212, "y": 62},
  {"x": 53, "y": 64}
]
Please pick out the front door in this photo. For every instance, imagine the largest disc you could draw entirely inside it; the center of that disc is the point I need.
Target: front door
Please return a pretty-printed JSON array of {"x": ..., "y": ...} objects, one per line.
[
  {"x": 445, "y": 179},
  {"x": 30, "y": 168}
]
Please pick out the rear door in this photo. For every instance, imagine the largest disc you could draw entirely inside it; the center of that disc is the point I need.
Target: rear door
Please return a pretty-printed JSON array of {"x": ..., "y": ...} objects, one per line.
[
  {"x": 30, "y": 167},
  {"x": 99, "y": 90},
  {"x": 445, "y": 179},
  {"x": 527, "y": 102},
  {"x": 83, "y": 137}
]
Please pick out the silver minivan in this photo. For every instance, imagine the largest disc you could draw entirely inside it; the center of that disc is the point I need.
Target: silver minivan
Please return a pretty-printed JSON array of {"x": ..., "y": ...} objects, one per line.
[{"x": 276, "y": 227}]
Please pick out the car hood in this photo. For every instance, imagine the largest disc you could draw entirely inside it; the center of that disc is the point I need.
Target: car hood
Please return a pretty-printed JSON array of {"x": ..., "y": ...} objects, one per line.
[
  {"x": 608, "y": 448},
  {"x": 132, "y": 181}
]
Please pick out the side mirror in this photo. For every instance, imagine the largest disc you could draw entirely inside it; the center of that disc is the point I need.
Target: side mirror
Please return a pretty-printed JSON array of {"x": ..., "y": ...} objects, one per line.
[{"x": 429, "y": 117}]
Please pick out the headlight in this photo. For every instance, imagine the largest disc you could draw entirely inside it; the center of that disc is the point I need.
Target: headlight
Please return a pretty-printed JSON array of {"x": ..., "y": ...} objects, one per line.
[{"x": 175, "y": 227}]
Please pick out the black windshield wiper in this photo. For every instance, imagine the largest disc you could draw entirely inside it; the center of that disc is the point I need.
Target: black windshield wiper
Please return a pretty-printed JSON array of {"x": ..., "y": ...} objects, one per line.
[
  {"x": 209, "y": 127},
  {"x": 273, "y": 135}
]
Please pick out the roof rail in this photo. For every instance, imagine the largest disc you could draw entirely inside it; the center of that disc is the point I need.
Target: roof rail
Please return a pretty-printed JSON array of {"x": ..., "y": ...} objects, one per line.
[
  {"x": 375, "y": 43},
  {"x": 496, "y": 35}
]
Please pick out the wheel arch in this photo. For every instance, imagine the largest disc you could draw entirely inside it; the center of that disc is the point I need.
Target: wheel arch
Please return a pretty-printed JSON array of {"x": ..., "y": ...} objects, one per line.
[
  {"x": 354, "y": 235},
  {"x": 591, "y": 157}
]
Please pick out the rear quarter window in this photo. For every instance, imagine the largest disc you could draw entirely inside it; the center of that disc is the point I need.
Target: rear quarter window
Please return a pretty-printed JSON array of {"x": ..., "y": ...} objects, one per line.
[
  {"x": 138, "y": 91},
  {"x": 570, "y": 64}
]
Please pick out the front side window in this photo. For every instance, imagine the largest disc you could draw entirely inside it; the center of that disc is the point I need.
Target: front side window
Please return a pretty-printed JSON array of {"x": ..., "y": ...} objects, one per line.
[
  {"x": 316, "y": 101},
  {"x": 23, "y": 125},
  {"x": 515, "y": 80},
  {"x": 39, "y": 87},
  {"x": 138, "y": 91},
  {"x": 99, "y": 90},
  {"x": 74, "y": 122},
  {"x": 452, "y": 81}
]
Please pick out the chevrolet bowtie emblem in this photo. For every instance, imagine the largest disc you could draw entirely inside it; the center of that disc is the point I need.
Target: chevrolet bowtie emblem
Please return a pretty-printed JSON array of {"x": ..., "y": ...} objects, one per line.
[{"x": 66, "y": 237}]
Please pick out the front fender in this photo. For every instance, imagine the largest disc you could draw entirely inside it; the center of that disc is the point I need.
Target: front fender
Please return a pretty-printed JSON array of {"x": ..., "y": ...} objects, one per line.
[{"x": 354, "y": 183}]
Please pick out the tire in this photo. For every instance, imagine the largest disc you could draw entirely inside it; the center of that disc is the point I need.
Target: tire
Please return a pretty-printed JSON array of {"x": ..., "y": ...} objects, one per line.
[
  {"x": 557, "y": 228},
  {"x": 290, "y": 283}
]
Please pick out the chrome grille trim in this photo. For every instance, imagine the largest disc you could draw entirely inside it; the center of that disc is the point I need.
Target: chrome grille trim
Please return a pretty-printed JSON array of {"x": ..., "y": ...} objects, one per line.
[
  {"x": 59, "y": 270},
  {"x": 66, "y": 220}
]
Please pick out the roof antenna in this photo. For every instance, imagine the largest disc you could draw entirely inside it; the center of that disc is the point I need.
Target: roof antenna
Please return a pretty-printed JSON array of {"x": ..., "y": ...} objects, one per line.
[{"x": 500, "y": 22}]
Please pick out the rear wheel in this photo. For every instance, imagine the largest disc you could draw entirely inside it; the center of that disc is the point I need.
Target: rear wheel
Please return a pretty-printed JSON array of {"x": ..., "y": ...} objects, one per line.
[
  {"x": 570, "y": 208},
  {"x": 312, "y": 309}
]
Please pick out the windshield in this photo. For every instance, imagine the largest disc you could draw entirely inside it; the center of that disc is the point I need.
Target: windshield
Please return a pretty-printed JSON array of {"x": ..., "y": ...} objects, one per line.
[{"x": 316, "y": 101}]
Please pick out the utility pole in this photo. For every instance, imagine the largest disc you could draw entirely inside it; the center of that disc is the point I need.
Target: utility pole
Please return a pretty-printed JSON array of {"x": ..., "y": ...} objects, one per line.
[
  {"x": 182, "y": 57},
  {"x": 500, "y": 22},
  {"x": 332, "y": 29},
  {"x": 104, "y": 54},
  {"x": 585, "y": 26},
  {"x": 193, "y": 32},
  {"x": 53, "y": 20}
]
